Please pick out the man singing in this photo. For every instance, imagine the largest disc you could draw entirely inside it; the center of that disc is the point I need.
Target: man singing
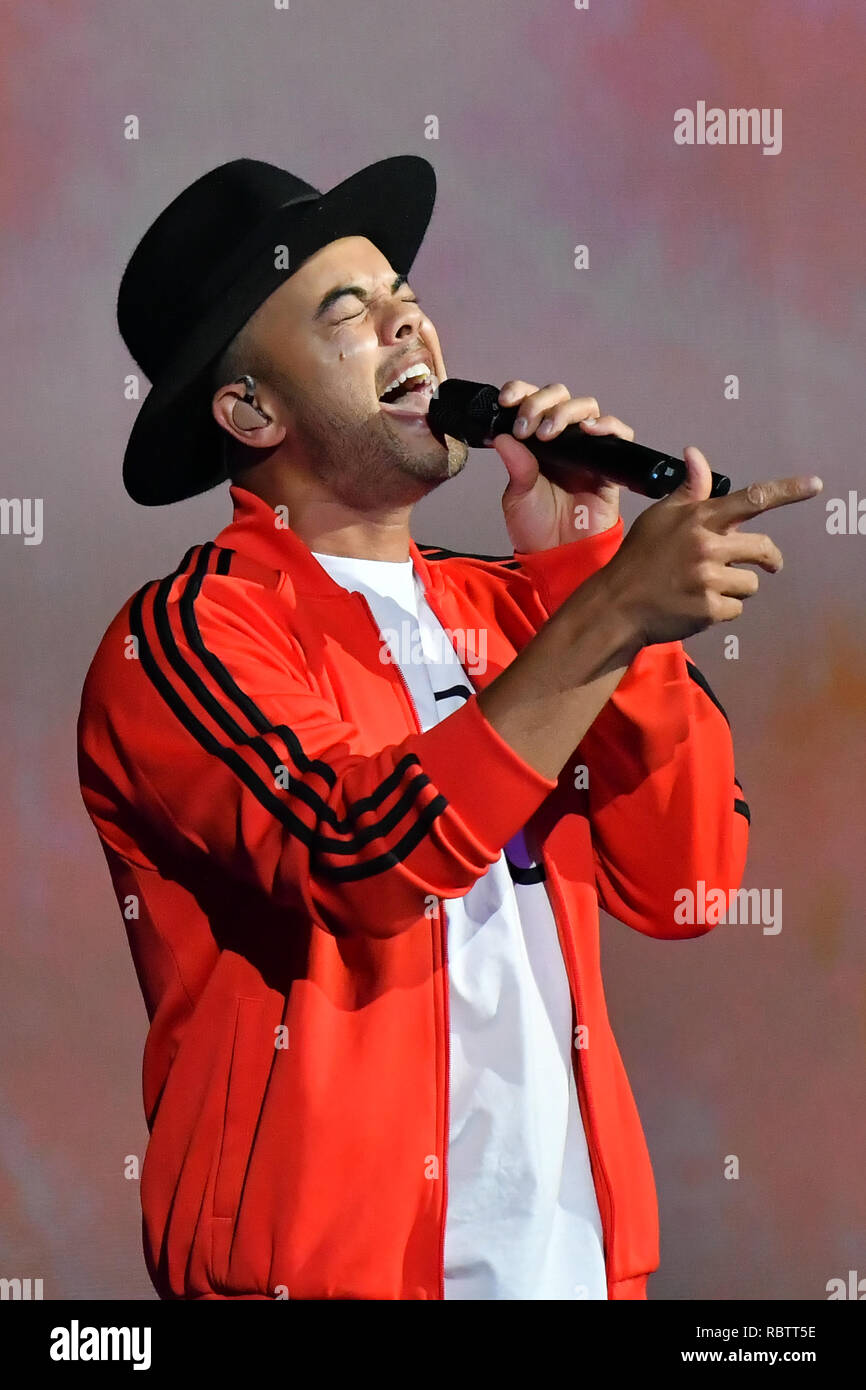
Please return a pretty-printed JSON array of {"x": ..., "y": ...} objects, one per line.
[{"x": 361, "y": 798}]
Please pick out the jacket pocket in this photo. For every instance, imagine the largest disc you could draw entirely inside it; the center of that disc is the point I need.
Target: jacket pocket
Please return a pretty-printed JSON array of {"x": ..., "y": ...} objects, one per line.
[{"x": 249, "y": 1069}]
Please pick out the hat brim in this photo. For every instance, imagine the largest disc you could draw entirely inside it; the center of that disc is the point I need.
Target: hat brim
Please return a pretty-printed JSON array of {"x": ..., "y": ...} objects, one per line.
[{"x": 175, "y": 448}]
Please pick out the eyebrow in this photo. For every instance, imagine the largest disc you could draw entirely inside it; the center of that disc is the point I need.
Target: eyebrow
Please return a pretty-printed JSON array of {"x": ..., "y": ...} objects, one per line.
[{"x": 364, "y": 295}]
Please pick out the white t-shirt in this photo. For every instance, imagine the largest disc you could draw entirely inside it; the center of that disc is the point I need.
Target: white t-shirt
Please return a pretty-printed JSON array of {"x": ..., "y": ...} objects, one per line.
[{"x": 522, "y": 1219}]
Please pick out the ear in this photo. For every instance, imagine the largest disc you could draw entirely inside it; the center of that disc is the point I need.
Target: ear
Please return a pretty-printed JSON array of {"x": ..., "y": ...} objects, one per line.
[{"x": 248, "y": 423}]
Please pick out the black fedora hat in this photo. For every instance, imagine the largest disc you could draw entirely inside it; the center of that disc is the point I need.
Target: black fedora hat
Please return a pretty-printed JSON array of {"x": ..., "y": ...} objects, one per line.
[{"x": 210, "y": 259}]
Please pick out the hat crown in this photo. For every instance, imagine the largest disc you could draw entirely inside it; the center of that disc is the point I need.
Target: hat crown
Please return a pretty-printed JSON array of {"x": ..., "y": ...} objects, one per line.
[{"x": 176, "y": 266}]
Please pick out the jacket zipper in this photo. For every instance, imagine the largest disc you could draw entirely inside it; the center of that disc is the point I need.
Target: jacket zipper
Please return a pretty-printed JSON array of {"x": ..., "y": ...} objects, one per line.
[
  {"x": 443, "y": 947},
  {"x": 606, "y": 1208}
]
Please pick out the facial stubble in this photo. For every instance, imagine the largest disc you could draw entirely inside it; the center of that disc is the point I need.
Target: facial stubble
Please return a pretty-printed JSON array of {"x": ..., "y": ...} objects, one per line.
[{"x": 367, "y": 460}]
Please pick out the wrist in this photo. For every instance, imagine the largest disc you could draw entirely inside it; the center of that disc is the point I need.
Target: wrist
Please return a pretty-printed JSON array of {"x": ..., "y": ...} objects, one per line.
[{"x": 599, "y": 619}]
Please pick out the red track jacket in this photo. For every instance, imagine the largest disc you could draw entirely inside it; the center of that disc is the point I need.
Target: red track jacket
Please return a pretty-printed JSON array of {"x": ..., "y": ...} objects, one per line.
[{"x": 280, "y": 834}]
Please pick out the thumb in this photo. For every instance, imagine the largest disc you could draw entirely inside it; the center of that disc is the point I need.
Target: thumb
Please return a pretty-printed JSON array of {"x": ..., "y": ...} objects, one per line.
[
  {"x": 697, "y": 485},
  {"x": 521, "y": 463}
]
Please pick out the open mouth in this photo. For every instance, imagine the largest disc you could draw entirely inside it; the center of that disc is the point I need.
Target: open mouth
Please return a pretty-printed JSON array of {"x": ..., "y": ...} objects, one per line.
[{"x": 411, "y": 397}]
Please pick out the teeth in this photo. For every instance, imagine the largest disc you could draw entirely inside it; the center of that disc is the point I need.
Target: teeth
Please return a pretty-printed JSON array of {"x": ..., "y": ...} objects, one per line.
[{"x": 419, "y": 369}]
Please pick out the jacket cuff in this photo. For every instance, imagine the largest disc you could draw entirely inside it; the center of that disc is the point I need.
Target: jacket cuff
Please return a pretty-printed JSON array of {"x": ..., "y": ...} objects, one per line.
[
  {"x": 557, "y": 572},
  {"x": 486, "y": 783}
]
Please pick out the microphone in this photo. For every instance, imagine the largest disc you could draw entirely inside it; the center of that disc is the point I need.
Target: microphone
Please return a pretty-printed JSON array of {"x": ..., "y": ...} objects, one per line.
[{"x": 470, "y": 410}]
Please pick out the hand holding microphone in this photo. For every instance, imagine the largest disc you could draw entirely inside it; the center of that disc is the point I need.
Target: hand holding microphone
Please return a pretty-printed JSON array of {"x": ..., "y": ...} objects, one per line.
[
  {"x": 478, "y": 412},
  {"x": 565, "y": 467}
]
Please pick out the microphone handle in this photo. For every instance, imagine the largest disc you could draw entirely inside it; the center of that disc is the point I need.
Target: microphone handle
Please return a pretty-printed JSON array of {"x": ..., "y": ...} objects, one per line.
[{"x": 648, "y": 472}]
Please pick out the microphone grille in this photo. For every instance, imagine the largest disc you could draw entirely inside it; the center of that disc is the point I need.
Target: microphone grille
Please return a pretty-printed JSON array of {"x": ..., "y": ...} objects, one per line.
[{"x": 464, "y": 409}]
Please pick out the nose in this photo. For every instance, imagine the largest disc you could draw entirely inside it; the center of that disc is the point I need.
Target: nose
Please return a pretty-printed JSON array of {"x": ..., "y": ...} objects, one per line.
[{"x": 400, "y": 320}]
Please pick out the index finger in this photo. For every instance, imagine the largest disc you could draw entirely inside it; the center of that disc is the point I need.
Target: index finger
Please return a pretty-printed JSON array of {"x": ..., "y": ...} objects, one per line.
[
  {"x": 750, "y": 501},
  {"x": 514, "y": 391}
]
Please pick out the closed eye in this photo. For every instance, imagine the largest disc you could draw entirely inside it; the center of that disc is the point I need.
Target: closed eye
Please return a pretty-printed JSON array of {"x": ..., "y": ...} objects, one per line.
[{"x": 362, "y": 311}]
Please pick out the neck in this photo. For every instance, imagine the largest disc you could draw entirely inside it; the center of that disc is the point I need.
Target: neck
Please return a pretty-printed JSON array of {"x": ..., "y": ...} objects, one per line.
[{"x": 327, "y": 524}]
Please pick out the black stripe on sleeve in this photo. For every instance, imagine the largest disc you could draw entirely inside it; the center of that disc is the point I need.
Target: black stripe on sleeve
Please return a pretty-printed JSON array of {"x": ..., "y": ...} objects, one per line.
[
  {"x": 269, "y": 756},
  {"x": 700, "y": 679},
  {"x": 267, "y": 796}
]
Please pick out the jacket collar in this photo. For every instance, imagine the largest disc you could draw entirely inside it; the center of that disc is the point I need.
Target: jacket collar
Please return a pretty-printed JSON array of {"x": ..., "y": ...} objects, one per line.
[{"x": 253, "y": 532}]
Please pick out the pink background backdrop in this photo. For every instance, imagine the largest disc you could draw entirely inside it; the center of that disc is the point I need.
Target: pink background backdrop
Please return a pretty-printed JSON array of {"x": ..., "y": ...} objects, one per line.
[{"x": 556, "y": 128}]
